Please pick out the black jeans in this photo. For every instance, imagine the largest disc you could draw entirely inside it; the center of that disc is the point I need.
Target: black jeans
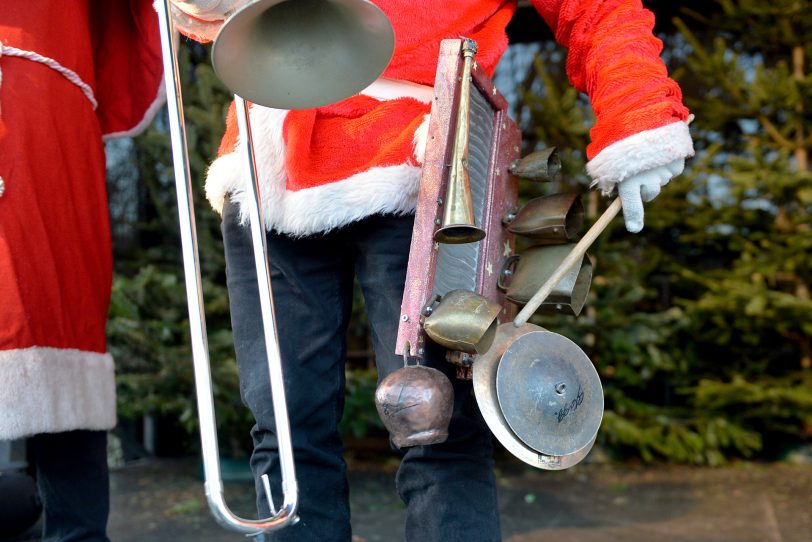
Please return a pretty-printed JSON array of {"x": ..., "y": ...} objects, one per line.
[
  {"x": 449, "y": 488},
  {"x": 73, "y": 484}
]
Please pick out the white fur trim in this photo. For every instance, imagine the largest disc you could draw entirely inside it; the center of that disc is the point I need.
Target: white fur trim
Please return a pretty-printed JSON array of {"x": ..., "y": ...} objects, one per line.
[
  {"x": 421, "y": 136},
  {"x": 640, "y": 152},
  {"x": 221, "y": 179},
  {"x": 48, "y": 390},
  {"x": 149, "y": 115},
  {"x": 391, "y": 89},
  {"x": 391, "y": 190},
  {"x": 225, "y": 173}
]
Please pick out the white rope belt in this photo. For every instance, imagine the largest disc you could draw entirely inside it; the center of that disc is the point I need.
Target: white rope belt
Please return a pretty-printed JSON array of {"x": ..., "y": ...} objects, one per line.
[{"x": 67, "y": 73}]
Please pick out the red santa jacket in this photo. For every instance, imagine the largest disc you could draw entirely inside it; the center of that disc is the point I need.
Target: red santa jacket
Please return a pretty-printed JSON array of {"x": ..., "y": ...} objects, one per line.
[
  {"x": 323, "y": 168},
  {"x": 72, "y": 73}
]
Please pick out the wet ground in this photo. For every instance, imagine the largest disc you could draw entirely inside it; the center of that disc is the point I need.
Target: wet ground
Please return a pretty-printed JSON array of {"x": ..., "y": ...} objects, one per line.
[{"x": 162, "y": 501}]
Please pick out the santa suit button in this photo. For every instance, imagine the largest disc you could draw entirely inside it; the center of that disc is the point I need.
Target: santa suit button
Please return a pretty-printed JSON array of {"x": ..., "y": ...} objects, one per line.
[{"x": 2, "y": 186}]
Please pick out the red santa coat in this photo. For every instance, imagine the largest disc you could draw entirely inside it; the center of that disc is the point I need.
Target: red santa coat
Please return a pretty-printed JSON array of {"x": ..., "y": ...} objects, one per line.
[
  {"x": 323, "y": 168},
  {"x": 71, "y": 76}
]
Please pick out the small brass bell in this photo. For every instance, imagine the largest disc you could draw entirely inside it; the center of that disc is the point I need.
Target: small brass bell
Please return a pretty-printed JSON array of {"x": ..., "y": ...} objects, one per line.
[
  {"x": 532, "y": 269},
  {"x": 539, "y": 166},
  {"x": 415, "y": 404},
  {"x": 548, "y": 220},
  {"x": 464, "y": 321}
]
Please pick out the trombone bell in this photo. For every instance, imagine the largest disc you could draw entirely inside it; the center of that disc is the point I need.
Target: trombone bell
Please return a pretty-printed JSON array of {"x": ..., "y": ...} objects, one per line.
[{"x": 298, "y": 54}]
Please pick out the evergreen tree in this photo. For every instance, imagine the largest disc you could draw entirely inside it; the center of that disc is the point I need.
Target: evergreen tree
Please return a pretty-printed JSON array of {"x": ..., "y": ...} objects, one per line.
[
  {"x": 148, "y": 327},
  {"x": 700, "y": 325},
  {"x": 745, "y": 273}
]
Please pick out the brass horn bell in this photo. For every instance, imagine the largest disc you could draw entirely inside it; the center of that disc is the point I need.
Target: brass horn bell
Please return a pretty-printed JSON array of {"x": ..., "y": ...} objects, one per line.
[
  {"x": 459, "y": 224},
  {"x": 297, "y": 54}
]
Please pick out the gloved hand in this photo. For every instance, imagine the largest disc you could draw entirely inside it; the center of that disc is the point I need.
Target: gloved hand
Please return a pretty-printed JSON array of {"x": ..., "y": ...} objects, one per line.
[
  {"x": 644, "y": 187},
  {"x": 209, "y": 9},
  {"x": 201, "y": 19}
]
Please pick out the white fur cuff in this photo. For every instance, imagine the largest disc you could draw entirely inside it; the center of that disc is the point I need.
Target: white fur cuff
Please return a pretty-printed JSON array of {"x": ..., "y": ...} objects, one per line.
[
  {"x": 640, "y": 152},
  {"x": 48, "y": 390}
]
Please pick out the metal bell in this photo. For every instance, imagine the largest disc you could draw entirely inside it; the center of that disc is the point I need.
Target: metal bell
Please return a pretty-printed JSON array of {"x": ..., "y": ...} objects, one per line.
[
  {"x": 464, "y": 321},
  {"x": 532, "y": 269},
  {"x": 415, "y": 404},
  {"x": 539, "y": 166},
  {"x": 548, "y": 220}
]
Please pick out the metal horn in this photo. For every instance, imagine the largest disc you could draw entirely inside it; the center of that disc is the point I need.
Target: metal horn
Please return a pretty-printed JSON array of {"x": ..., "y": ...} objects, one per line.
[
  {"x": 203, "y": 382},
  {"x": 297, "y": 54},
  {"x": 458, "y": 214}
]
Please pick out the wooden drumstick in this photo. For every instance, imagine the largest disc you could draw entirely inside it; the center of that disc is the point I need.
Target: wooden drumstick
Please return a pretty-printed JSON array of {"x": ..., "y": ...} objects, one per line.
[{"x": 572, "y": 258}]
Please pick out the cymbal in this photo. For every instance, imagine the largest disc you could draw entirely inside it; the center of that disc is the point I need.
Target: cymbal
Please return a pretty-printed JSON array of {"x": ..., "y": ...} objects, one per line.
[{"x": 549, "y": 393}]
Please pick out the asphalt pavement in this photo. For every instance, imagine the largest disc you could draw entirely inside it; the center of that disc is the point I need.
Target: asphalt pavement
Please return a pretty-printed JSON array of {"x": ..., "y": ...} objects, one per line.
[{"x": 163, "y": 501}]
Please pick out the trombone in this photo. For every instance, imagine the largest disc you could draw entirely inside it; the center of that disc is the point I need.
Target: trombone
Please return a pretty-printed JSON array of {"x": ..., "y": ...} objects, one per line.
[
  {"x": 197, "y": 320},
  {"x": 362, "y": 37}
]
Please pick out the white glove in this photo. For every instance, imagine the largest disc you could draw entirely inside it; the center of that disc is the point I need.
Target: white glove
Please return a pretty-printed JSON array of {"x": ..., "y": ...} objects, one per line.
[
  {"x": 209, "y": 9},
  {"x": 644, "y": 187}
]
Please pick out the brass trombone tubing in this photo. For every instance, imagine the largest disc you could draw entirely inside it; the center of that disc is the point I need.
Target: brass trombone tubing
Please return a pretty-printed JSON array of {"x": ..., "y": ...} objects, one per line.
[
  {"x": 577, "y": 254},
  {"x": 197, "y": 322}
]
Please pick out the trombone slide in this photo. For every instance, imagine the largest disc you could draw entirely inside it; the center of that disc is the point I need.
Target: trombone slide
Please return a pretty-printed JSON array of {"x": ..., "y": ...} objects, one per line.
[{"x": 286, "y": 514}]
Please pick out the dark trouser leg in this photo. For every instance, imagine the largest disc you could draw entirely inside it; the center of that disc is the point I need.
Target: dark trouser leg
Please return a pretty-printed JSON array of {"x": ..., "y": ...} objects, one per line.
[
  {"x": 312, "y": 289},
  {"x": 73, "y": 484},
  {"x": 449, "y": 488}
]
